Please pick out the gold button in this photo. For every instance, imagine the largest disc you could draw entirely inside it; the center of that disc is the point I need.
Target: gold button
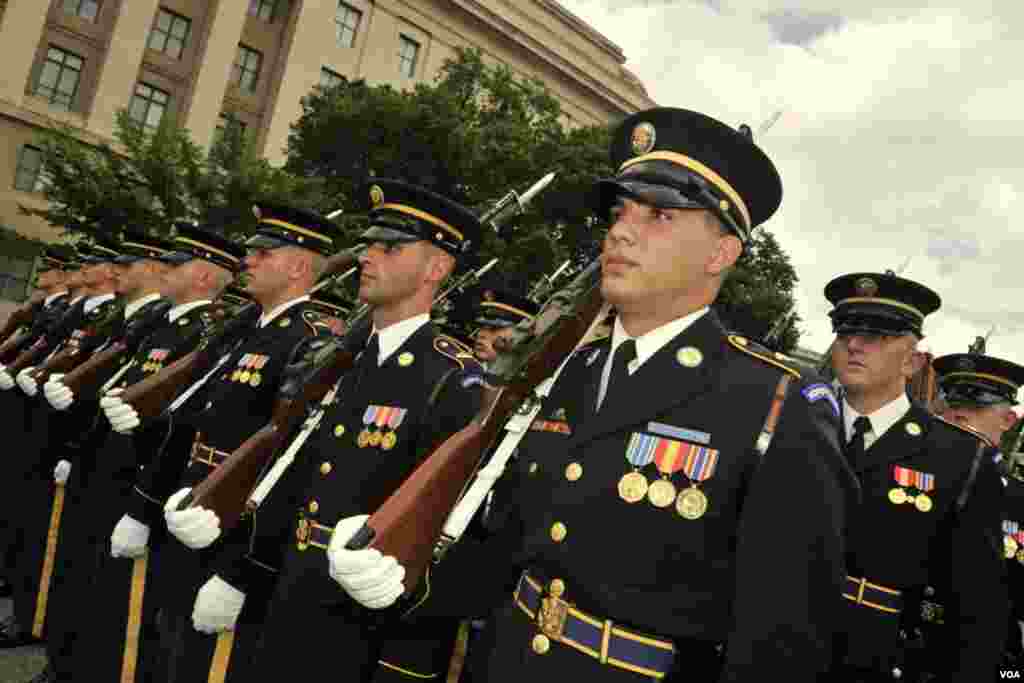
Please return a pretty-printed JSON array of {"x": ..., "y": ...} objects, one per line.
[
  {"x": 573, "y": 471},
  {"x": 325, "y": 468},
  {"x": 339, "y": 430},
  {"x": 556, "y": 588},
  {"x": 533, "y": 468},
  {"x": 541, "y": 644},
  {"x": 558, "y": 532},
  {"x": 314, "y": 507}
]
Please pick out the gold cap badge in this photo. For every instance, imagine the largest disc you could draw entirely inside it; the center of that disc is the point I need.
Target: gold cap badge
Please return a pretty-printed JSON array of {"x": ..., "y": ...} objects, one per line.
[
  {"x": 642, "y": 138},
  {"x": 866, "y": 287},
  {"x": 376, "y": 195}
]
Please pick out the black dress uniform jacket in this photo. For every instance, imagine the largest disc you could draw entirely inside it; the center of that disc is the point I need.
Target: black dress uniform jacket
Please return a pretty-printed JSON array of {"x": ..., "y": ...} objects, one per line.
[
  {"x": 1013, "y": 527},
  {"x": 757, "y": 576},
  {"x": 954, "y": 551},
  {"x": 432, "y": 390}
]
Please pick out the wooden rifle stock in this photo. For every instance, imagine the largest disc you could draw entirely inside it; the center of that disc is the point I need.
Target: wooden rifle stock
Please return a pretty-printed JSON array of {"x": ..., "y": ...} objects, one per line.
[
  {"x": 226, "y": 489},
  {"x": 151, "y": 396},
  {"x": 19, "y": 318},
  {"x": 29, "y": 357},
  {"x": 64, "y": 361},
  {"x": 10, "y": 347},
  {"x": 410, "y": 521},
  {"x": 87, "y": 378}
]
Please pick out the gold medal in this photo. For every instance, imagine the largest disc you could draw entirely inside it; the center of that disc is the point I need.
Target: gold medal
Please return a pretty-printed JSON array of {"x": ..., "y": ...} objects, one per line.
[
  {"x": 375, "y": 438},
  {"x": 661, "y": 493},
  {"x": 388, "y": 441},
  {"x": 363, "y": 439},
  {"x": 692, "y": 503},
  {"x": 923, "y": 502},
  {"x": 235, "y": 375},
  {"x": 897, "y": 496},
  {"x": 1020, "y": 556},
  {"x": 255, "y": 379},
  {"x": 244, "y": 377},
  {"x": 1009, "y": 547},
  {"x": 632, "y": 487}
]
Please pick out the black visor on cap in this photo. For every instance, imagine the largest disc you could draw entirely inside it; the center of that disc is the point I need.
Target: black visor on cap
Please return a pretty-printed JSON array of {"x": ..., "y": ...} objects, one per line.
[
  {"x": 176, "y": 258},
  {"x": 968, "y": 394},
  {"x": 261, "y": 241},
  {"x": 659, "y": 196},
  {"x": 382, "y": 233},
  {"x": 874, "y": 323}
]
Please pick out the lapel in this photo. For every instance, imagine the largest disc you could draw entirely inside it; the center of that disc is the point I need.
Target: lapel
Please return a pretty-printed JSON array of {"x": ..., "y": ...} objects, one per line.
[
  {"x": 899, "y": 444},
  {"x": 661, "y": 383},
  {"x": 590, "y": 380}
]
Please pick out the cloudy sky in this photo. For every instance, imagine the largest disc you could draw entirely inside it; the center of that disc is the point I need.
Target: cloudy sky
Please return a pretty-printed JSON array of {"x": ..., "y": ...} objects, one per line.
[{"x": 901, "y": 136}]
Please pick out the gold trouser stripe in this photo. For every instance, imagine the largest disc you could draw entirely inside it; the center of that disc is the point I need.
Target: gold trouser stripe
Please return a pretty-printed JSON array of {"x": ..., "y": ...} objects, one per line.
[
  {"x": 460, "y": 652},
  {"x": 221, "y": 657},
  {"x": 51, "y": 553},
  {"x": 403, "y": 671},
  {"x": 131, "y": 636}
]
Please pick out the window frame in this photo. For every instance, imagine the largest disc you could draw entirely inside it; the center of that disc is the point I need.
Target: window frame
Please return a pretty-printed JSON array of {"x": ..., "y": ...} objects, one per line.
[
  {"x": 52, "y": 97},
  {"x": 340, "y": 26},
  {"x": 260, "y": 5},
  {"x": 150, "y": 102},
  {"x": 77, "y": 12},
  {"x": 168, "y": 35},
  {"x": 403, "y": 41},
  {"x": 38, "y": 177},
  {"x": 239, "y": 70}
]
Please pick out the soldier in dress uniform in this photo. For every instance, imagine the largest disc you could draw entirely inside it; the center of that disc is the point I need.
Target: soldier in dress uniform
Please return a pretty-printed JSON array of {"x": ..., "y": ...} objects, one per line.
[
  {"x": 410, "y": 389},
  {"x": 678, "y": 510},
  {"x": 57, "y": 265},
  {"x": 285, "y": 257},
  {"x": 334, "y": 309},
  {"x": 499, "y": 309},
  {"x": 980, "y": 393},
  {"x": 930, "y": 516}
]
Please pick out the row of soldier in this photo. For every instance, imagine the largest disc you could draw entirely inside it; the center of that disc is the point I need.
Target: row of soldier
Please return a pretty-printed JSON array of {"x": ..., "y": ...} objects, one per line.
[{"x": 678, "y": 501}]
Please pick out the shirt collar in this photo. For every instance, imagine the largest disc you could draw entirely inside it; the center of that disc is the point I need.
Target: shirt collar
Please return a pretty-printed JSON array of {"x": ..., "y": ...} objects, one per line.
[
  {"x": 77, "y": 299},
  {"x": 882, "y": 419},
  {"x": 393, "y": 336},
  {"x": 49, "y": 300},
  {"x": 651, "y": 342},
  {"x": 133, "y": 307},
  {"x": 269, "y": 317},
  {"x": 182, "y": 309},
  {"x": 92, "y": 302}
]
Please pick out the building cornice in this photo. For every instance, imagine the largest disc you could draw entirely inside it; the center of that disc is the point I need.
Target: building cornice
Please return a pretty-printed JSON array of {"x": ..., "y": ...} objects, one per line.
[{"x": 511, "y": 32}]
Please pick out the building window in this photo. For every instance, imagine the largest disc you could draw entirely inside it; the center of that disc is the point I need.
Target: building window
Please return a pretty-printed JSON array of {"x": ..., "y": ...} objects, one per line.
[
  {"x": 346, "y": 24},
  {"x": 247, "y": 68},
  {"x": 58, "y": 79},
  {"x": 148, "y": 105},
  {"x": 330, "y": 79},
  {"x": 15, "y": 274},
  {"x": 267, "y": 10},
  {"x": 87, "y": 9},
  {"x": 169, "y": 34},
  {"x": 29, "y": 176},
  {"x": 408, "y": 54}
]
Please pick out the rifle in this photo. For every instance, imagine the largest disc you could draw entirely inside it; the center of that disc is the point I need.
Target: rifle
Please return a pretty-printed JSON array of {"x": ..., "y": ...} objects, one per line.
[
  {"x": 317, "y": 370},
  {"x": 19, "y": 318},
  {"x": 547, "y": 282},
  {"x": 151, "y": 396},
  {"x": 68, "y": 358},
  {"x": 778, "y": 328},
  {"x": 88, "y": 377},
  {"x": 410, "y": 521}
]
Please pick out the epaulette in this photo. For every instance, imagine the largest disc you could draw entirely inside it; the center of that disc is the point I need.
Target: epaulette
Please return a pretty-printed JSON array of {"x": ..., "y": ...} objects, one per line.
[
  {"x": 316, "y": 323},
  {"x": 763, "y": 354},
  {"x": 457, "y": 351},
  {"x": 967, "y": 429}
]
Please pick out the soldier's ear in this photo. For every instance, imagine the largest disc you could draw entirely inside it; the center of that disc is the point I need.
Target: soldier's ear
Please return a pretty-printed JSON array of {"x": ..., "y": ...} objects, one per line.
[{"x": 725, "y": 255}]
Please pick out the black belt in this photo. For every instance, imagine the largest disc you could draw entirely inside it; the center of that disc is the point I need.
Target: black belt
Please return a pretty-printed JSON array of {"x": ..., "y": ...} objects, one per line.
[
  {"x": 873, "y": 595},
  {"x": 561, "y": 622}
]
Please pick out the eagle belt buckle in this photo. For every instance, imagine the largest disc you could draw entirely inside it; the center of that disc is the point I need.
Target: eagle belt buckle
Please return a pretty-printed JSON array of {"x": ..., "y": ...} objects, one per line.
[{"x": 551, "y": 617}]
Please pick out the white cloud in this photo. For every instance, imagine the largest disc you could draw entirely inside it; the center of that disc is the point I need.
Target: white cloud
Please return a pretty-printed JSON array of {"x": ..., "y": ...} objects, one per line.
[{"x": 901, "y": 136}]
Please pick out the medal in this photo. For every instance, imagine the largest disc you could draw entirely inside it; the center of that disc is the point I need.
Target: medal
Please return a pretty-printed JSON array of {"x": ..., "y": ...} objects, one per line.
[
  {"x": 255, "y": 379},
  {"x": 375, "y": 439},
  {"x": 639, "y": 451},
  {"x": 1020, "y": 556},
  {"x": 661, "y": 493},
  {"x": 1010, "y": 544},
  {"x": 922, "y": 502},
  {"x": 632, "y": 487},
  {"x": 364, "y": 436},
  {"x": 1009, "y": 547},
  {"x": 388, "y": 441},
  {"x": 692, "y": 503},
  {"x": 897, "y": 496},
  {"x": 363, "y": 440},
  {"x": 245, "y": 376}
]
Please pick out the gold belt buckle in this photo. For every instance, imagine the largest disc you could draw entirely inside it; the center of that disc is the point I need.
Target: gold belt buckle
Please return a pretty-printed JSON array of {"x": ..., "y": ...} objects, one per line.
[{"x": 551, "y": 616}]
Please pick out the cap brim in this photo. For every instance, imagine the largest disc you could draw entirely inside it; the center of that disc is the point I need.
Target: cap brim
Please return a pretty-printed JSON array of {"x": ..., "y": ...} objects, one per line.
[
  {"x": 379, "y": 233},
  {"x": 176, "y": 258},
  {"x": 654, "y": 194},
  {"x": 265, "y": 242}
]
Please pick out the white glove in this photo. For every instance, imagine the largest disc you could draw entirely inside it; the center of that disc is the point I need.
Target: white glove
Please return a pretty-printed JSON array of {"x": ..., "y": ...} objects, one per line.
[
  {"x": 123, "y": 418},
  {"x": 370, "y": 578},
  {"x": 57, "y": 393},
  {"x": 196, "y": 527},
  {"x": 6, "y": 381},
  {"x": 129, "y": 539},
  {"x": 217, "y": 606},
  {"x": 61, "y": 472},
  {"x": 27, "y": 384}
]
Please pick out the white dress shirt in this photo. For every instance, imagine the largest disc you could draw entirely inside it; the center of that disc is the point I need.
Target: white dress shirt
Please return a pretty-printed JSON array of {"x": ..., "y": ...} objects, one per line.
[
  {"x": 393, "y": 336},
  {"x": 182, "y": 309},
  {"x": 881, "y": 420},
  {"x": 268, "y": 317}
]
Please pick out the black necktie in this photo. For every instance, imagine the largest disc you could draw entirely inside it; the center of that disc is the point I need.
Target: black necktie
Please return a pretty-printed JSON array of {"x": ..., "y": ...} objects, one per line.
[
  {"x": 624, "y": 355},
  {"x": 855, "y": 446},
  {"x": 368, "y": 360}
]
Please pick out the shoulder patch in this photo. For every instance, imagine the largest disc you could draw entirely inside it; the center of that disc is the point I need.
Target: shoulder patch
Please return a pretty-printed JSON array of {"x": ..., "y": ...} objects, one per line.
[
  {"x": 821, "y": 392},
  {"x": 967, "y": 429},
  {"x": 456, "y": 351},
  {"x": 762, "y": 354}
]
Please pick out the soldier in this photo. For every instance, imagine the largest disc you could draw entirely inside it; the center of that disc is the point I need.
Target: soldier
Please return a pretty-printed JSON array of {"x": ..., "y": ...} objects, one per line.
[
  {"x": 930, "y": 515},
  {"x": 980, "y": 394},
  {"x": 285, "y": 257},
  {"x": 499, "y": 309},
  {"x": 410, "y": 389},
  {"x": 673, "y": 512},
  {"x": 334, "y": 309}
]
